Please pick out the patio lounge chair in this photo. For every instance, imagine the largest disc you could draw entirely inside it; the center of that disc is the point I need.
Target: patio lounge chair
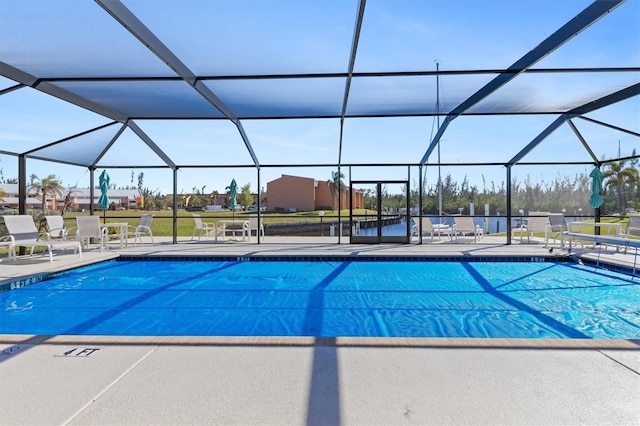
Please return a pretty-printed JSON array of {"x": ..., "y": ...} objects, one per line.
[
  {"x": 88, "y": 228},
  {"x": 556, "y": 225},
  {"x": 57, "y": 228},
  {"x": 429, "y": 228},
  {"x": 633, "y": 226},
  {"x": 143, "y": 228},
  {"x": 536, "y": 222},
  {"x": 255, "y": 226},
  {"x": 633, "y": 229},
  {"x": 464, "y": 225},
  {"x": 206, "y": 228},
  {"x": 234, "y": 227},
  {"x": 23, "y": 233}
]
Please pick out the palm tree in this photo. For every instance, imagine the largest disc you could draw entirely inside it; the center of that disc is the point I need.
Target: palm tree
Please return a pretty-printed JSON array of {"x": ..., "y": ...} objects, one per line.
[
  {"x": 46, "y": 186},
  {"x": 335, "y": 186},
  {"x": 617, "y": 176}
]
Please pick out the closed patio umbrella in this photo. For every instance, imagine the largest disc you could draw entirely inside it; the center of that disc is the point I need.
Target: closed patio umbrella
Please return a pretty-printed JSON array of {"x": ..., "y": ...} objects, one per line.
[
  {"x": 104, "y": 199},
  {"x": 596, "y": 200},
  {"x": 233, "y": 193}
]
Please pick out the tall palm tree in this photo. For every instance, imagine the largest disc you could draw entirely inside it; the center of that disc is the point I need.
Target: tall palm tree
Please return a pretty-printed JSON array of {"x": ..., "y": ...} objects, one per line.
[
  {"x": 335, "y": 186},
  {"x": 617, "y": 175},
  {"x": 46, "y": 186}
]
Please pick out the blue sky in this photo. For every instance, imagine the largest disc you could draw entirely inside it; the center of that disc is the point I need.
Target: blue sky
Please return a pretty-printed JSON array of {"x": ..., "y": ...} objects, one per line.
[{"x": 490, "y": 34}]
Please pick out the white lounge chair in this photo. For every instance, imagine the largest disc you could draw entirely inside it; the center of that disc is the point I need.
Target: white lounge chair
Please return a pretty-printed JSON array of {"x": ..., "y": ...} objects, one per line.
[
  {"x": 143, "y": 228},
  {"x": 633, "y": 226},
  {"x": 88, "y": 228},
  {"x": 5, "y": 241},
  {"x": 235, "y": 227},
  {"x": 464, "y": 225},
  {"x": 255, "y": 226},
  {"x": 23, "y": 233},
  {"x": 556, "y": 225},
  {"x": 206, "y": 228},
  {"x": 633, "y": 229},
  {"x": 536, "y": 222},
  {"x": 429, "y": 228},
  {"x": 57, "y": 228}
]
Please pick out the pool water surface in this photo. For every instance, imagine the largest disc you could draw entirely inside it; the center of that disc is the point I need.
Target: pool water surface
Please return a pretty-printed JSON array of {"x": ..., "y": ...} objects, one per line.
[{"x": 328, "y": 298}]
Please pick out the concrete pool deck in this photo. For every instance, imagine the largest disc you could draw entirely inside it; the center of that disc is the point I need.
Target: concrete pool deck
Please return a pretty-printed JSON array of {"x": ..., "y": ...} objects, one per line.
[{"x": 193, "y": 380}]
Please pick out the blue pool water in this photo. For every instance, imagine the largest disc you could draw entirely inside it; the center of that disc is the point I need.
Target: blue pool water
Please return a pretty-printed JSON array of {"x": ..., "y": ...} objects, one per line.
[{"x": 275, "y": 298}]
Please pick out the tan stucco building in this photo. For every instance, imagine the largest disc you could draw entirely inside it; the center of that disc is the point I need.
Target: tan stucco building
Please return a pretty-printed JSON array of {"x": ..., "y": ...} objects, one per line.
[
  {"x": 295, "y": 193},
  {"x": 80, "y": 198}
]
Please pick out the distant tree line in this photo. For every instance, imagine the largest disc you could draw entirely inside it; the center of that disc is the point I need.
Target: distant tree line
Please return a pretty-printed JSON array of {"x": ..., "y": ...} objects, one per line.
[{"x": 620, "y": 191}]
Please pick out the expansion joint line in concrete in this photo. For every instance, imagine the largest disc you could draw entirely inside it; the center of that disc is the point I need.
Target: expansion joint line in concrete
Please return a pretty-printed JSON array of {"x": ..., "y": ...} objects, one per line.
[
  {"x": 103, "y": 391},
  {"x": 620, "y": 363}
]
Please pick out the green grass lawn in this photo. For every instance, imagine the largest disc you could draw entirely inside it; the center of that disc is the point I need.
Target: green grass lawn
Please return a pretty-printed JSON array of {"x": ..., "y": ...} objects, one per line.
[{"x": 162, "y": 224}]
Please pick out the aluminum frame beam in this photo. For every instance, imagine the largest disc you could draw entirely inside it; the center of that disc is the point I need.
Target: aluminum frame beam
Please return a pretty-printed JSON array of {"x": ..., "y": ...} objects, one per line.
[
  {"x": 352, "y": 60},
  {"x": 34, "y": 152},
  {"x": 576, "y": 25},
  {"x": 546, "y": 132},
  {"x": 108, "y": 146},
  {"x": 147, "y": 140},
  {"x": 610, "y": 99},
  {"x": 50, "y": 89},
  {"x": 57, "y": 92},
  {"x": 139, "y": 30},
  {"x": 11, "y": 89},
  {"x": 611, "y": 126},
  {"x": 583, "y": 142}
]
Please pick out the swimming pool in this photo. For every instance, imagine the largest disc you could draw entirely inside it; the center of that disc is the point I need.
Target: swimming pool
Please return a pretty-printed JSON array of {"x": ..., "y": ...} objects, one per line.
[{"x": 328, "y": 298}]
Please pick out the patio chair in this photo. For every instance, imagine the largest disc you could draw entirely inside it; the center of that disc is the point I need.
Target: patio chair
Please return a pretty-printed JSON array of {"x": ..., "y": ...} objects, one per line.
[
  {"x": 536, "y": 222},
  {"x": 143, "y": 228},
  {"x": 88, "y": 227},
  {"x": 464, "y": 225},
  {"x": 633, "y": 229},
  {"x": 556, "y": 225},
  {"x": 234, "y": 227},
  {"x": 206, "y": 228},
  {"x": 5, "y": 241},
  {"x": 633, "y": 226},
  {"x": 23, "y": 233},
  {"x": 57, "y": 228},
  {"x": 429, "y": 228},
  {"x": 255, "y": 226}
]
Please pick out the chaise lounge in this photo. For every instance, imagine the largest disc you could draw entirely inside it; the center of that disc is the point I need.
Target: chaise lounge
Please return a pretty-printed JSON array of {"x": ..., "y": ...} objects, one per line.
[{"x": 23, "y": 233}]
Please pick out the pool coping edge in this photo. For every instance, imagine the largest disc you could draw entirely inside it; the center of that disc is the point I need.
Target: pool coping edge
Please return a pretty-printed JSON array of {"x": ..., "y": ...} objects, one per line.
[{"x": 305, "y": 341}]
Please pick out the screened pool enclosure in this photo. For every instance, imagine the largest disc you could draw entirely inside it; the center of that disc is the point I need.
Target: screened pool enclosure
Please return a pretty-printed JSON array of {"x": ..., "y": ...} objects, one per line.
[{"x": 470, "y": 103}]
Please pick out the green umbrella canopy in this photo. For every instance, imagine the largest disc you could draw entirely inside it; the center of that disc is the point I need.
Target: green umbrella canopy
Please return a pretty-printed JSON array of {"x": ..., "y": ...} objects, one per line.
[
  {"x": 104, "y": 187},
  {"x": 233, "y": 193},
  {"x": 596, "y": 200}
]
